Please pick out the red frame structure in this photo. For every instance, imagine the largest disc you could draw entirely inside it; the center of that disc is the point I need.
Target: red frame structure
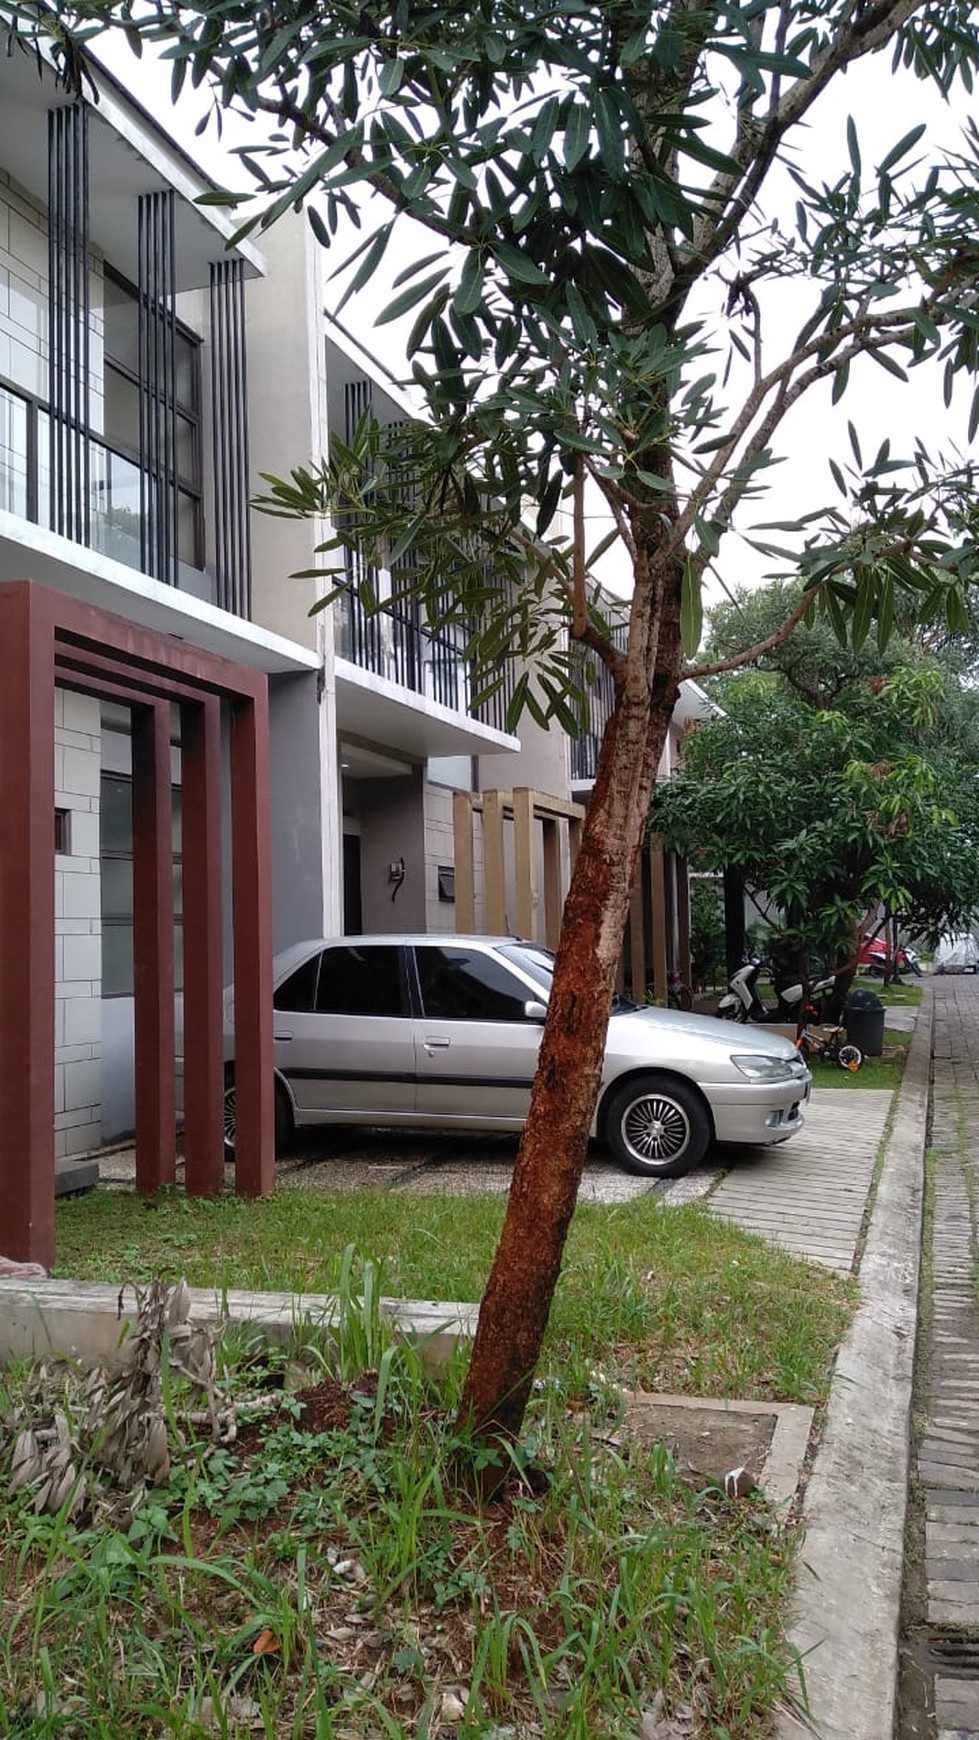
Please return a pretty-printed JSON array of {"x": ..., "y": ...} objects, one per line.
[{"x": 48, "y": 639}]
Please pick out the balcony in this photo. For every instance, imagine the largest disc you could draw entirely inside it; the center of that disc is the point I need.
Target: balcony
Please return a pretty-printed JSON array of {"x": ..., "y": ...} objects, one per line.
[
  {"x": 117, "y": 497},
  {"x": 403, "y": 683}
]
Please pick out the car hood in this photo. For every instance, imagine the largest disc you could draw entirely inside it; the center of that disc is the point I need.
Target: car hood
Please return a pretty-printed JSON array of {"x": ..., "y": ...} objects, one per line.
[{"x": 671, "y": 1029}]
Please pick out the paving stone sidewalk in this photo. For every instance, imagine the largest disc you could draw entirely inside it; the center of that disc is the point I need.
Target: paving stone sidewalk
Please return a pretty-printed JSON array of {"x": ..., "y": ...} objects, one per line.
[{"x": 948, "y": 1396}]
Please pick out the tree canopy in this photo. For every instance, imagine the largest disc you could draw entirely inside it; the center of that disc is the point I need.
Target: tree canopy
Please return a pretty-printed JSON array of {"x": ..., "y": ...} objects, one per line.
[{"x": 831, "y": 810}]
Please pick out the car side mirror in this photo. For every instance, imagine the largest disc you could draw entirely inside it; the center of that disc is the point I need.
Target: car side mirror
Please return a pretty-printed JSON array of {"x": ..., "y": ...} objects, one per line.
[{"x": 535, "y": 1011}]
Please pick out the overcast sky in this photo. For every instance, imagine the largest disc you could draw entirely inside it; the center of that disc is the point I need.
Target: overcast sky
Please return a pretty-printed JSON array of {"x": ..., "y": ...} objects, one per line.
[{"x": 884, "y": 108}]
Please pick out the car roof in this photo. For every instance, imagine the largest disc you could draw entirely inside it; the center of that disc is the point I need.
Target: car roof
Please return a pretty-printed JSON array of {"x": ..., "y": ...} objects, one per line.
[{"x": 300, "y": 951}]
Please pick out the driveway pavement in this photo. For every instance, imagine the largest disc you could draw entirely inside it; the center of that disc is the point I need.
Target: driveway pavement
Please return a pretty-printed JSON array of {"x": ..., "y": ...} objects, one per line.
[{"x": 808, "y": 1194}]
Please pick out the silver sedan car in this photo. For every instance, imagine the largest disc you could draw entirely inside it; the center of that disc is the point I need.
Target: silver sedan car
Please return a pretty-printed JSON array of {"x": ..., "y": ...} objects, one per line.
[{"x": 442, "y": 1033}]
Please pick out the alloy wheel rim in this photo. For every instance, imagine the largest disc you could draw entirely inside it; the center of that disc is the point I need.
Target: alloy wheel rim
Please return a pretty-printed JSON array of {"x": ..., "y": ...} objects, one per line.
[
  {"x": 229, "y": 1117},
  {"x": 656, "y": 1129}
]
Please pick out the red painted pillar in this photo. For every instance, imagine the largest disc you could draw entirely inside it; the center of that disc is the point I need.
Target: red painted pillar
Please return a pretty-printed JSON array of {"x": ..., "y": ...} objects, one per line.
[
  {"x": 203, "y": 1055},
  {"x": 153, "y": 976},
  {"x": 251, "y": 870},
  {"x": 26, "y": 926}
]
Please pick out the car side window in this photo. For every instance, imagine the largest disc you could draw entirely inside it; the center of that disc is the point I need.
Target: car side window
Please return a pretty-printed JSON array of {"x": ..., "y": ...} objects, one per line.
[
  {"x": 466, "y": 985},
  {"x": 358, "y": 980},
  {"x": 298, "y": 992}
]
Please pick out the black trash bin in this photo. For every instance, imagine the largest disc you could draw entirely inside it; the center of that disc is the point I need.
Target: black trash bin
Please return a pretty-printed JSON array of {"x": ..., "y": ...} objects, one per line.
[{"x": 863, "y": 1018}]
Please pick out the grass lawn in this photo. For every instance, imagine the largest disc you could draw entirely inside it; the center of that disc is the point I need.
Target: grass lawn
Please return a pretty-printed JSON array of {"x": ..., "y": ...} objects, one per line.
[
  {"x": 874, "y": 1072},
  {"x": 323, "y": 1575},
  {"x": 664, "y": 1298}
]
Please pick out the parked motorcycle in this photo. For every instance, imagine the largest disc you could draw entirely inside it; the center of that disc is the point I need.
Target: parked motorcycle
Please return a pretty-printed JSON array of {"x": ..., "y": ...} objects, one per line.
[
  {"x": 873, "y": 958},
  {"x": 743, "y": 1002}
]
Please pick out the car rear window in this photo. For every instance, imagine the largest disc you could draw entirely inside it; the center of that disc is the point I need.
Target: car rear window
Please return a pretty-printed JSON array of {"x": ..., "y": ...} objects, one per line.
[{"x": 361, "y": 980}]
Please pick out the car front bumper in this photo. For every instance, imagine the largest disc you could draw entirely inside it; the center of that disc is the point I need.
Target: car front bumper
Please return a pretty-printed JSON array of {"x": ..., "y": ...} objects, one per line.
[{"x": 758, "y": 1115}]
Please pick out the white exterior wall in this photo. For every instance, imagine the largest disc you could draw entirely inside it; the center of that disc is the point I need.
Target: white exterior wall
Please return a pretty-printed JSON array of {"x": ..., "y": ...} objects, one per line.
[
  {"x": 78, "y": 927},
  {"x": 439, "y": 849}
]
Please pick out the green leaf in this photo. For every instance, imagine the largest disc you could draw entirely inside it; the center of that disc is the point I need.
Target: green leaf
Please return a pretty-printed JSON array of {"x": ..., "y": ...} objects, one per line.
[
  {"x": 518, "y": 265},
  {"x": 853, "y": 144},
  {"x": 373, "y": 256},
  {"x": 469, "y": 295},
  {"x": 543, "y": 132},
  {"x": 900, "y": 149},
  {"x": 885, "y": 612},
  {"x": 577, "y": 133},
  {"x": 391, "y": 75},
  {"x": 409, "y": 298},
  {"x": 691, "y": 608}
]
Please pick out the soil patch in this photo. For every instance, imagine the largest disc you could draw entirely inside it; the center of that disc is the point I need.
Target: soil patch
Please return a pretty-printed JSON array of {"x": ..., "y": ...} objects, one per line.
[{"x": 706, "y": 1438}]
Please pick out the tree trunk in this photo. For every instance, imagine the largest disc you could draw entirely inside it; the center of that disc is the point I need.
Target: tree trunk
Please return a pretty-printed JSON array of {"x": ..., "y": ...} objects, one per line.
[{"x": 515, "y": 1307}]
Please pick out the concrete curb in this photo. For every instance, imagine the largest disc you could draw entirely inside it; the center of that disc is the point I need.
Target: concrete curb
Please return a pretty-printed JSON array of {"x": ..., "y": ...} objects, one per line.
[
  {"x": 847, "y": 1603},
  {"x": 87, "y": 1320}
]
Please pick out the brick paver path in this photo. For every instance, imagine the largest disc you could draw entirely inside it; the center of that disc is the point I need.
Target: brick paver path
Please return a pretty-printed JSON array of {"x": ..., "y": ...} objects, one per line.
[
  {"x": 948, "y": 1398},
  {"x": 809, "y": 1194}
]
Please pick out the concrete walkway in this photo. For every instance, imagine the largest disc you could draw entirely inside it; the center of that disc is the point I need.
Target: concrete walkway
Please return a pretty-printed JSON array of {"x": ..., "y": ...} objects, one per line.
[
  {"x": 810, "y": 1195},
  {"x": 847, "y": 1603},
  {"x": 941, "y": 1622}
]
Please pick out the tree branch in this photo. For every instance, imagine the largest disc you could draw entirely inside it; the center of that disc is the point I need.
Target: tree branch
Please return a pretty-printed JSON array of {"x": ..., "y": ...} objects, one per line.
[
  {"x": 756, "y": 147},
  {"x": 694, "y": 673}
]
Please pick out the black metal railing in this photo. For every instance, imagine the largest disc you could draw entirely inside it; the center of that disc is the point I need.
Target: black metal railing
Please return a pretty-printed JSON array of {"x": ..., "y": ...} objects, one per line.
[
  {"x": 586, "y": 747},
  {"x": 110, "y": 509}
]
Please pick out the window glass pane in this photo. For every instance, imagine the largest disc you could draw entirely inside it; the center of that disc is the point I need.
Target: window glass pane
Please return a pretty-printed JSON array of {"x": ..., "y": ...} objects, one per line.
[
  {"x": 117, "y": 888},
  {"x": 360, "y": 981},
  {"x": 188, "y": 529},
  {"x": 298, "y": 991},
  {"x": 462, "y": 985},
  {"x": 116, "y": 817},
  {"x": 121, "y": 411},
  {"x": 117, "y": 960},
  {"x": 116, "y": 507},
  {"x": 188, "y": 372},
  {"x": 187, "y": 450},
  {"x": 13, "y": 454},
  {"x": 121, "y": 324}
]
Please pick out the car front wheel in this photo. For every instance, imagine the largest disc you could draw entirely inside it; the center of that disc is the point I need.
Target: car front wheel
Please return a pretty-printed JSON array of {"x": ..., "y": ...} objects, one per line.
[
  {"x": 283, "y": 1120},
  {"x": 657, "y": 1126}
]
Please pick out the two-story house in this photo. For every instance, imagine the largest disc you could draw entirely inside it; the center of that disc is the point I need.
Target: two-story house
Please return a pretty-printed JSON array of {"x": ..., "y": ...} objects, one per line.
[{"x": 149, "y": 372}]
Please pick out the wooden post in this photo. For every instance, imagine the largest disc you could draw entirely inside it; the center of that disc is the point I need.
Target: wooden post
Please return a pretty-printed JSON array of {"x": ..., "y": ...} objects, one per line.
[
  {"x": 203, "y": 1038},
  {"x": 523, "y": 844},
  {"x": 153, "y": 968},
  {"x": 494, "y": 874},
  {"x": 658, "y": 884},
  {"x": 26, "y": 928},
  {"x": 683, "y": 918},
  {"x": 252, "y": 897},
  {"x": 551, "y": 840},
  {"x": 637, "y": 951}
]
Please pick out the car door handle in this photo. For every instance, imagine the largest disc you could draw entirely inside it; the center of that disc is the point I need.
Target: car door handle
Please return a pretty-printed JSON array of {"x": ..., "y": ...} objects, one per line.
[
  {"x": 436, "y": 1044},
  {"x": 279, "y": 1036}
]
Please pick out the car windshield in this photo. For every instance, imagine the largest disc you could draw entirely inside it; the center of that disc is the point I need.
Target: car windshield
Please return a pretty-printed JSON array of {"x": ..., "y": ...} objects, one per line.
[{"x": 538, "y": 964}]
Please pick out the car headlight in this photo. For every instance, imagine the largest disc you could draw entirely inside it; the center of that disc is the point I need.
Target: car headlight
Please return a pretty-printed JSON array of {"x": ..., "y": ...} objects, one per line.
[{"x": 757, "y": 1067}]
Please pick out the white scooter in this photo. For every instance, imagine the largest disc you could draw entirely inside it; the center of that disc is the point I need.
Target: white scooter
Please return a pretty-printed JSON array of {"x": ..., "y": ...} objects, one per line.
[{"x": 742, "y": 1002}]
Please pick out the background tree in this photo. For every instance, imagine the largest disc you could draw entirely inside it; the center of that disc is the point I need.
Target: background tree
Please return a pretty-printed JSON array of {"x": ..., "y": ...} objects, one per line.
[
  {"x": 593, "y": 314},
  {"x": 830, "y": 813}
]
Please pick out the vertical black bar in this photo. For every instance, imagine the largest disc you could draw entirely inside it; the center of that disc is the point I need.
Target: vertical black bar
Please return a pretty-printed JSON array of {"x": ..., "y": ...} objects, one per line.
[
  {"x": 229, "y": 437},
  {"x": 244, "y": 424},
  {"x": 69, "y": 310},
  {"x": 52, "y": 298}
]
